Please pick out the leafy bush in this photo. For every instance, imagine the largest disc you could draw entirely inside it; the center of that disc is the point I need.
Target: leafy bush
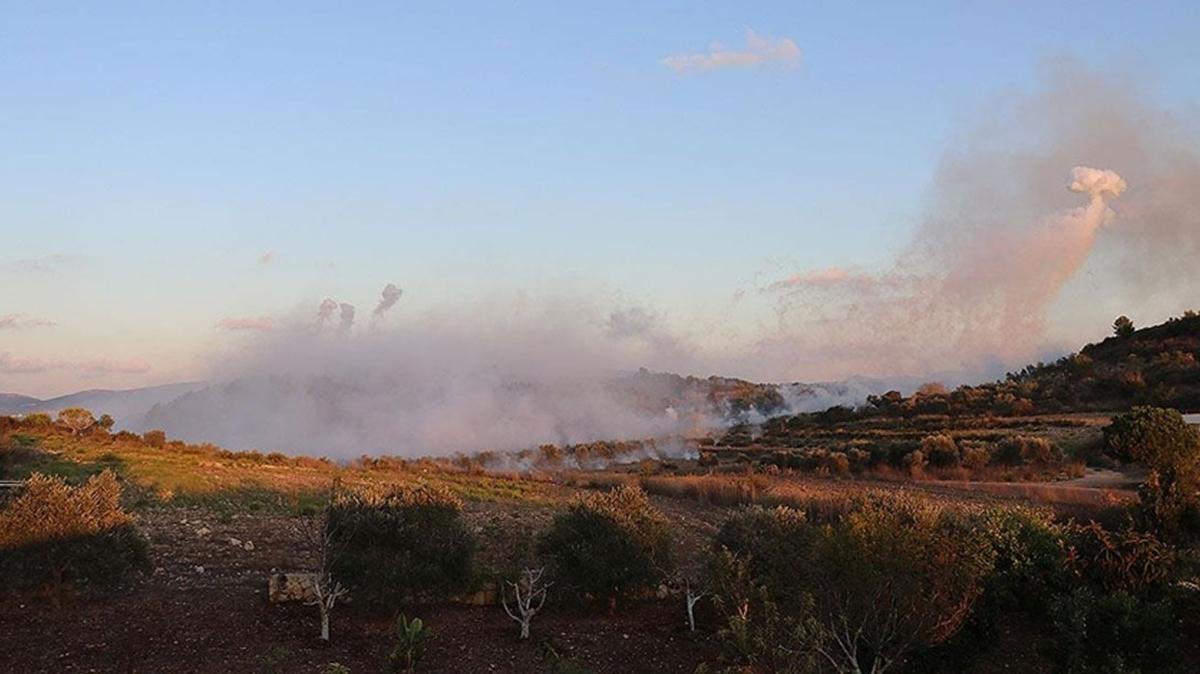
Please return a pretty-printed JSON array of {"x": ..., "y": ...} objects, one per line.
[
  {"x": 771, "y": 542},
  {"x": 53, "y": 534},
  {"x": 399, "y": 543},
  {"x": 890, "y": 575},
  {"x": 608, "y": 544},
  {"x": 1030, "y": 561},
  {"x": 941, "y": 450},
  {"x": 1170, "y": 448},
  {"x": 756, "y": 631},
  {"x": 1113, "y": 633}
]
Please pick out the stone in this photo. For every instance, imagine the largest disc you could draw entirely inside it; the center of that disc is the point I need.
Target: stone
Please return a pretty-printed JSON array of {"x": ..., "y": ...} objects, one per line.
[
  {"x": 248, "y": 546},
  {"x": 291, "y": 586}
]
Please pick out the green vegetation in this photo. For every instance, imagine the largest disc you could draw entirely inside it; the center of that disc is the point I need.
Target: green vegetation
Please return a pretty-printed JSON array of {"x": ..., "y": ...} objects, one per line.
[
  {"x": 53, "y": 536},
  {"x": 607, "y": 545},
  {"x": 397, "y": 543}
]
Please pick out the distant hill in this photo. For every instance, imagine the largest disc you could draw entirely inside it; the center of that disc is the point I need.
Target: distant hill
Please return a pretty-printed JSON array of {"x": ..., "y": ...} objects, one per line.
[{"x": 128, "y": 407}]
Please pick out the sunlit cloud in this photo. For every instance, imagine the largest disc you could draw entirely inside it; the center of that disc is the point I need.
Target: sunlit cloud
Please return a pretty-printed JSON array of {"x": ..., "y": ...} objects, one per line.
[
  {"x": 252, "y": 323},
  {"x": 759, "y": 51}
]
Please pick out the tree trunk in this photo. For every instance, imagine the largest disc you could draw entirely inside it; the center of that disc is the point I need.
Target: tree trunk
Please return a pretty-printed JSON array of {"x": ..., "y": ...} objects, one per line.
[
  {"x": 324, "y": 624},
  {"x": 524, "y": 629}
]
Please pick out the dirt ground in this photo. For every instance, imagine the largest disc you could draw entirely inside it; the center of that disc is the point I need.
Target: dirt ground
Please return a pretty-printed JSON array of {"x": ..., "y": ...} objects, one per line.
[{"x": 204, "y": 609}]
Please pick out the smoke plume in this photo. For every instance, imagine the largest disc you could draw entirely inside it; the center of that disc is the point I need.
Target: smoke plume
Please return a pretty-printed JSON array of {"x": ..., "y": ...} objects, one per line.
[
  {"x": 325, "y": 311},
  {"x": 1001, "y": 251},
  {"x": 390, "y": 295}
]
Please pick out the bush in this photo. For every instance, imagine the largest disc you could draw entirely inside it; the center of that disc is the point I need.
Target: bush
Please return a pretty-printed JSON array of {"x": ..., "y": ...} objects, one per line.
[
  {"x": 1027, "y": 449},
  {"x": 1170, "y": 448},
  {"x": 400, "y": 543},
  {"x": 1122, "y": 560},
  {"x": 891, "y": 575},
  {"x": 1113, "y": 633},
  {"x": 1152, "y": 436},
  {"x": 941, "y": 451},
  {"x": 770, "y": 541},
  {"x": 155, "y": 438},
  {"x": 608, "y": 544},
  {"x": 53, "y": 535},
  {"x": 755, "y": 631}
]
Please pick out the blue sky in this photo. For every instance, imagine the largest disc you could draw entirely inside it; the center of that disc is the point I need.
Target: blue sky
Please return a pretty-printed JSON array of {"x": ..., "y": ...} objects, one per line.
[{"x": 151, "y": 152}]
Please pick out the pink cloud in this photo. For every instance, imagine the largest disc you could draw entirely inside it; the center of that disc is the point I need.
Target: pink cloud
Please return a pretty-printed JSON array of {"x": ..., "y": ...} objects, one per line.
[
  {"x": 12, "y": 365},
  {"x": 759, "y": 51},
  {"x": 257, "y": 323},
  {"x": 18, "y": 321},
  {"x": 828, "y": 278}
]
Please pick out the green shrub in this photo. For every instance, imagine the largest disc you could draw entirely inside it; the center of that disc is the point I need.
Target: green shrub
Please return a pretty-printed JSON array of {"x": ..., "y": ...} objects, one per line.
[
  {"x": 941, "y": 451},
  {"x": 53, "y": 535},
  {"x": 1113, "y": 633},
  {"x": 400, "y": 543},
  {"x": 771, "y": 542},
  {"x": 1169, "y": 500},
  {"x": 1030, "y": 562},
  {"x": 904, "y": 572},
  {"x": 607, "y": 545},
  {"x": 755, "y": 631}
]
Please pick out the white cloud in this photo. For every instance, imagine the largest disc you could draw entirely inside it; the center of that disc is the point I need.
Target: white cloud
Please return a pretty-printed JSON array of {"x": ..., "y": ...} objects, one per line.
[{"x": 759, "y": 51}]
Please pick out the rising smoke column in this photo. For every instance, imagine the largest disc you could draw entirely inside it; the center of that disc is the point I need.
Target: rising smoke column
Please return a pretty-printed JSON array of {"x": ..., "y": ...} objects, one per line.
[
  {"x": 984, "y": 297},
  {"x": 389, "y": 296},
  {"x": 345, "y": 317},
  {"x": 325, "y": 311}
]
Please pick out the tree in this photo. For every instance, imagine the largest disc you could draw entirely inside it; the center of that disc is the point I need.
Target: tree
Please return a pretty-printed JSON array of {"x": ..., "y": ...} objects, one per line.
[
  {"x": 76, "y": 419},
  {"x": 529, "y": 594},
  {"x": 1123, "y": 327},
  {"x": 328, "y": 545}
]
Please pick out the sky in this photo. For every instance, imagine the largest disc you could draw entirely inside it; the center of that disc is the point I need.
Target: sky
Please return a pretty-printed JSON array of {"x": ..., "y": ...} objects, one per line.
[{"x": 170, "y": 171}]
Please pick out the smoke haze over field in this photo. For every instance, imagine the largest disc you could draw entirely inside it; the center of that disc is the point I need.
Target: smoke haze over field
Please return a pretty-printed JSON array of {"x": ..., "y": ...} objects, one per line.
[{"x": 1082, "y": 174}]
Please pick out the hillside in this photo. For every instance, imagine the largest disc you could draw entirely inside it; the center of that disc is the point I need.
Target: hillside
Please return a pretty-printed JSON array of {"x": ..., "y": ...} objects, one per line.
[{"x": 1157, "y": 365}]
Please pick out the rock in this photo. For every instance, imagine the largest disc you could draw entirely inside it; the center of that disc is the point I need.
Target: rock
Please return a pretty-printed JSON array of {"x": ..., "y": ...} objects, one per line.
[
  {"x": 293, "y": 586},
  {"x": 248, "y": 546},
  {"x": 199, "y": 569},
  {"x": 235, "y": 542},
  {"x": 203, "y": 531}
]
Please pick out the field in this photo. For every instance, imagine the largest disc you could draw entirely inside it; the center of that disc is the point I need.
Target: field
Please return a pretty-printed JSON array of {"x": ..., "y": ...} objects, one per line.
[{"x": 219, "y": 523}]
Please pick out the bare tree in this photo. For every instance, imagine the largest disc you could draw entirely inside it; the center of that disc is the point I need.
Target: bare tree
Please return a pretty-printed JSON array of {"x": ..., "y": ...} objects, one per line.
[
  {"x": 692, "y": 596},
  {"x": 322, "y": 535},
  {"x": 530, "y": 595}
]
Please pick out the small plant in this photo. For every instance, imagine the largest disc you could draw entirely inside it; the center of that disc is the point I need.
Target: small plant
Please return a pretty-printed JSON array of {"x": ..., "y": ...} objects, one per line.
[
  {"x": 335, "y": 668},
  {"x": 272, "y": 661},
  {"x": 410, "y": 644},
  {"x": 529, "y": 596}
]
